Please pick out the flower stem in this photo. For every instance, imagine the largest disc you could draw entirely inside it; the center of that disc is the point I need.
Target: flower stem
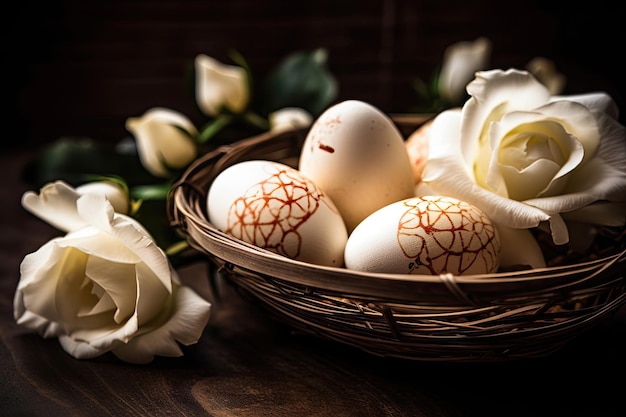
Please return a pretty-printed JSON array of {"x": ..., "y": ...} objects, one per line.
[
  {"x": 256, "y": 120},
  {"x": 211, "y": 129},
  {"x": 177, "y": 248}
]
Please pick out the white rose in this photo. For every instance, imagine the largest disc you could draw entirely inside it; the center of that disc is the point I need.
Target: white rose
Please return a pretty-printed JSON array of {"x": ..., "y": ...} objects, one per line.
[
  {"x": 289, "y": 118},
  {"x": 460, "y": 61},
  {"x": 105, "y": 286},
  {"x": 525, "y": 157},
  {"x": 219, "y": 85},
  {"x": 165, "y": 140}
]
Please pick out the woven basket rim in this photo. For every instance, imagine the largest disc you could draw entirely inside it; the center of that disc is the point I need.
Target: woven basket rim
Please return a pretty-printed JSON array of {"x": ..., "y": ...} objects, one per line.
[{"x": 548, "y": 272}]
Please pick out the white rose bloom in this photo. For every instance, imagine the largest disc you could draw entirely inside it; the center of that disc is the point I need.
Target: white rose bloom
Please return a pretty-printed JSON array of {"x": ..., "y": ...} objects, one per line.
[
  {"x": 219, "y": 85},
  {"x": 105, "y": 286},
  {"x": 525, "y": 157},
  {"x": 165, "y": 140},
  {"x": 289, "y": 118},
  {"x": 460, "y": 61}
]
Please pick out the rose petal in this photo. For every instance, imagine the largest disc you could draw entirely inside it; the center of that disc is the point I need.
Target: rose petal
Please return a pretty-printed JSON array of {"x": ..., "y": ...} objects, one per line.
[
  {"x": 605, "y": 177},
  {"x": 124, "y": 239},
  {"x": 40, "y": 274},
  {"x": 92, "y": 241},
  {"x": 46, "y": 328},
  {"x": 113, "y": 192},
  {"x": 80, "y": 349},
  {"x": 186, "y": 324},
  {"x": 558, "y": 229},
  {"x": 495, "y": 93},
  {"x": 599, "y": 102},
  {"x": 153, "y": 292},
  {"x": 446, "y": 174},
  {"x": 55, "y": 204},
  {"x": 531, "y": 163},
  {"x": 106, "y": 334},
  {"x": 513, "y": 213},
  {"x": 113, "y": 278},
  {"x": 145, "y": 249},
  {"x": 602, "y": 178},
  {"x": 519, "y": 247},
  {"x": 601, "y": 212},
  {"x": 578, "y": 121}
]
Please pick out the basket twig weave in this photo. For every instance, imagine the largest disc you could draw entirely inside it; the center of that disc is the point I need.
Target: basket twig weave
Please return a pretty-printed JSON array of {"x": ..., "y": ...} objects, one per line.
[{"x": 477, "y": 318}]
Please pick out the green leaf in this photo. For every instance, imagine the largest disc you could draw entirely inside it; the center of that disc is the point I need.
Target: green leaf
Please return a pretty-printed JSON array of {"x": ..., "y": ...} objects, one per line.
[
  {"x": 79, "y": 160},
  {"x": 300, "y": 80},
  {"x": 150, "y": 192},
  {"x": 152, "y": 214}
]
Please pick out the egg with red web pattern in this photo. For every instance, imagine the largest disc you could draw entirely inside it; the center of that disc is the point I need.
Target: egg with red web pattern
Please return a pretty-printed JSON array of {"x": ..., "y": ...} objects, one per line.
[
  {"x": 426, "y": 235},
  {"x": 275, "y": 207}
]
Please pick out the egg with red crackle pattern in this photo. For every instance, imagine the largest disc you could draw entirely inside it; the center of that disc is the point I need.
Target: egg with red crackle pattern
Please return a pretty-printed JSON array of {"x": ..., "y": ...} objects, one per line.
[
  {"x": 426, "y": 235},
  {"x": 275, "y": 207}
]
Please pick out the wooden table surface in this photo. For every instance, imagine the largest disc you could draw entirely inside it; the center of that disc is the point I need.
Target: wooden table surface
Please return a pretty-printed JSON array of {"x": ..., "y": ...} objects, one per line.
[{"x": 246, "y": 364}]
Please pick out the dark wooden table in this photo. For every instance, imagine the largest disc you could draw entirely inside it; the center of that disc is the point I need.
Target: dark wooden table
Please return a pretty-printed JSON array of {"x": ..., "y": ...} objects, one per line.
[{"x": 246, "y": 364}]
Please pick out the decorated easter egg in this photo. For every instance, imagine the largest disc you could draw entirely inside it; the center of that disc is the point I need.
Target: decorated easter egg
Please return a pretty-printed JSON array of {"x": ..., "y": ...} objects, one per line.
[
  {"x": 427, "y": 235},
  {"x": 274, "y": 206}
]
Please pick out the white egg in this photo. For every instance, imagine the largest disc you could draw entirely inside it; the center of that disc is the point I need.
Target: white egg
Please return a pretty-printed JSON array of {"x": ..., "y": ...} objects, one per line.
[
  {"x": 427, "y": 235},
  {"x": 357, "y": 155},
  {"x": 275, "y": 207}
]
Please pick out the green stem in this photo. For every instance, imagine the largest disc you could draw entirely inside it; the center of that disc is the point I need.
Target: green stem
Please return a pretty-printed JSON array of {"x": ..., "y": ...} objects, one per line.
[
  {"x": 151, "y": 191},
  {"x": 211, "y": 129},
  {"x": 256, "y": 120},
  {"x": 177, "y": 248}
]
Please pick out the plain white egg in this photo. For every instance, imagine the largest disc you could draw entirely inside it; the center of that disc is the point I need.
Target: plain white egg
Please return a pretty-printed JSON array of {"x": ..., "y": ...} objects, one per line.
[
  {"x": 274, "y": 206},
  {"x": 357, "y": 155},
  {"x": 427, "y": 235}
]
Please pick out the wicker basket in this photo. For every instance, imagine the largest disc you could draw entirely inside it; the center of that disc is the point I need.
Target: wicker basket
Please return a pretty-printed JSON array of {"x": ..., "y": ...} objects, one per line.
[{"x": 495, "y": 317}]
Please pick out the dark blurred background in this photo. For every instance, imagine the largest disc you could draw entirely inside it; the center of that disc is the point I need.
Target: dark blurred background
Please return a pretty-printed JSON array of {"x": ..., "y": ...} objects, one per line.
[{"x": 78, "y": 68}]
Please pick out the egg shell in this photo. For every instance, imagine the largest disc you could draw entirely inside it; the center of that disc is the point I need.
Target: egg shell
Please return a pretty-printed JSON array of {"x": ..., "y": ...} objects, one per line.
[
  {"x": 357, "y": 155},
  {"x": 275, "y": 207},
  {"x": 417, "y": 149},
  {"x": 428, "y": 235}
]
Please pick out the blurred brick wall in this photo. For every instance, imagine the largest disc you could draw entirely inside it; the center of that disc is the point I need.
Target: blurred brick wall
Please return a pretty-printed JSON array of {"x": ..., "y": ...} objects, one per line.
[{"x": 79, "y": 68}]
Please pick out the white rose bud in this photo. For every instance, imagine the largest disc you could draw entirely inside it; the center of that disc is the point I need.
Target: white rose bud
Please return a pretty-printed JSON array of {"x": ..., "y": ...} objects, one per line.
[
  {"x": 289, "y": 118},
  {"x": 219, "y": 85},
  {"x": 165, "y": 140},
  {"x": 460, "y": 61},
  {"x": 546, "y": 72}
]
